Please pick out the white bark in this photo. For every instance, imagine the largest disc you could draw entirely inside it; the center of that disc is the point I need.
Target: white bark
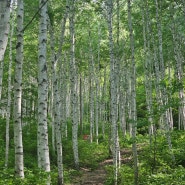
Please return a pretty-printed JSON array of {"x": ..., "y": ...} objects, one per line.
[
  {"x": 179, "y": 60},
  {"x": 162, "y": 89},
  {"x": 104, "y": 97},
  {"x": 58, "y": 112},
  {"x": 43, "y": 149},
  {"x": 57, "y": 123},
  {"x": 9, "y": 90},
  {"x": 81, "y": 104},
  {"x": 73, "y": 73},
  {"x": 19, "y": 166},
  {"x": 64, "y": 91},
  {"x": 4, "y": 31},
  {"x": 91, "y": 89},
  {"x": 113, "y": 93},
  {"x": 133, "y": 95},
  {"x": 147, "y": 69},
  {"x": 97, "y": 108}
]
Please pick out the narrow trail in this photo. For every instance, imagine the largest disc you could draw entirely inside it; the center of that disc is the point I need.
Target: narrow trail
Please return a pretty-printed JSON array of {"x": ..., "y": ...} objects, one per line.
[
  {"x": 92, "y": 177},
  {"x": 98, "y": 176}
]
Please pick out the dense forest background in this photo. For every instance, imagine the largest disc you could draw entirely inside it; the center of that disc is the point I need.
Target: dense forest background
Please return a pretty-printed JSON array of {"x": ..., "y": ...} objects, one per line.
[{"x": 84, "y": 82}]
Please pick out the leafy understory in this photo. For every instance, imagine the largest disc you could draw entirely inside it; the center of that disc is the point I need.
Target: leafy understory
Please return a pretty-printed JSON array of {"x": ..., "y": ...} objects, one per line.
[{"x": 155, "y": 165}]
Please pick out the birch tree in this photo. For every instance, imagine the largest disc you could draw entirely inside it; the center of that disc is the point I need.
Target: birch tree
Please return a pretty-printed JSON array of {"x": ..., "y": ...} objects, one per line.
[
  {"x": 91, "y": 90},
  {"x": 133, "y": 94},
  {"x": 4, "y": 31},
  {"x": 42, "y": 133},
  {"x": 19, "y": 166},
  {"x": 73, "y": 73},
  {"x": 56, "y": 114},
  {"x": 179, "y": 60},
  {"x": 113, "y": 92},
  {"x": 57, "y": 100},
  {"x": 148, "y": 69},
  {"x": 9, "y": 87},
  {"x": 163, "y": 94}
]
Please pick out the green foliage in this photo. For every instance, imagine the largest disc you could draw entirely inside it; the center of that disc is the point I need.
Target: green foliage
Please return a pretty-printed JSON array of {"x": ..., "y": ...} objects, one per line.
[
  {"x": 174, "y": 177},
  {"x": 155, "y": 162},
  {"x": 91, "y": 153},
  {"x": 110, "y": 178},
  {"x": 156, "y": 165}
]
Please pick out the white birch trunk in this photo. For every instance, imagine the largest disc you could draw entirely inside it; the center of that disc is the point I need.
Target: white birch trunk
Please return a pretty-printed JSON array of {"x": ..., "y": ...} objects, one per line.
[
  {"x": 19, "y": 165},
  {"x": 81, "y": 104},
  {"x": 4, "y": 31},
  {"x": 43, "y": 148},
  {"x": 9, "y": 89},
  {"x": 97, "y": 109},
  {"x": 179, "y": 60},
  {"x": 57, "y": 123},
  {"x": 113, "y": 93},
  {"x": 73, "y": 74},
  {"x": 91, "y": 90},
  {"x": 162, "y": 90},
  {"x": 57, "y": 100},
  {"x": 65, "y": 88},
  {"x": 148, "y": 74},
  {"x": 133, "y": 95}
]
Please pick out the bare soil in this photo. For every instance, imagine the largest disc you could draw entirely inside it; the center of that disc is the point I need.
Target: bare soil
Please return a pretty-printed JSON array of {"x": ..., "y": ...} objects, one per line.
[
  {"x": 98, "y": 176},
  {"x": 91, "y": 177}
]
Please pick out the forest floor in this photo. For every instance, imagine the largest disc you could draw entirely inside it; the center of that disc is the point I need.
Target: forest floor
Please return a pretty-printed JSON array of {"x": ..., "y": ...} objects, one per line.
[
  {"x": 98, "y": 176},
  {"x": 91, "y": 177}
]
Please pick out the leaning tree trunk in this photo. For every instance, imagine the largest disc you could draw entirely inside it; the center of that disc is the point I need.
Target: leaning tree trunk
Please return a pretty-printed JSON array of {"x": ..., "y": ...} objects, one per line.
[
  {"x": 4, "y": 31},
  {"x": 19, "y": 166},
  {"x": 42, "y": 133}
]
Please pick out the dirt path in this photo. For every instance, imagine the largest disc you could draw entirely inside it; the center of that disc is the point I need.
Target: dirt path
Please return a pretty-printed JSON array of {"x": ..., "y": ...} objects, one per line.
[
  {"x": 92, "y": 177},
  {"x": 98, "y": 176}
]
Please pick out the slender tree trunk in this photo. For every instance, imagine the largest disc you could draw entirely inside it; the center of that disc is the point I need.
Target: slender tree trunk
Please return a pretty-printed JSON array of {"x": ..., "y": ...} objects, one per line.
[
  {"x": 81, "y": 105},
  {"x": 19, "y": 164},
  {"x": 57, "y": 122},
  {"x": 56, "y": 113},
  {"x": 97, "y": 108},
  {"x": 73, "y": 84},
  {"x": 9, "y": 88},
  {"x": 113, "y": 93},
  {"x": 52, "y": 44},
  {"x": 104, "y": 97},
  {"x": 122, "y": 90},
  {"x": 59, "y": 114},
  {"x": 4, "y": 31},
  {"x": 43, "y": 148},
  {"x": 117, "y": 77},
  {"x": 91, "y": 107},
  {"x": 122, "y": 100},
  {"x": 162, "y": 90},
  {"x": 64, "y": 90},
  {"x": 133, "y": 95},
  {"x": 179, "y": 60},
  {"x": 91, "y": 89},
  {"x": 147, "y": 69}
]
